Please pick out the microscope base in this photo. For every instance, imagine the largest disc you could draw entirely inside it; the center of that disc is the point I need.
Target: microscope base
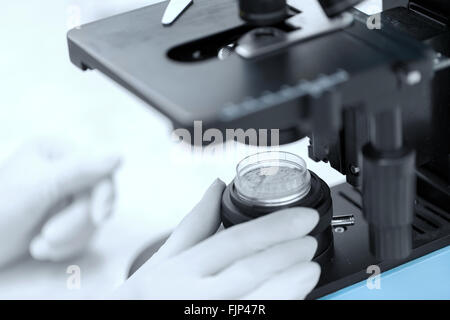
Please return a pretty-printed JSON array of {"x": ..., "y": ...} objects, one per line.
[{"x": 352, "y": 257}]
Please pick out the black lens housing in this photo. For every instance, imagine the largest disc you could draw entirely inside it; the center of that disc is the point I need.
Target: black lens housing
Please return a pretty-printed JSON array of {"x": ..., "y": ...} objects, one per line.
[
  {"x": 235, "y": 210},
  {"x": 263, "y": 12}
]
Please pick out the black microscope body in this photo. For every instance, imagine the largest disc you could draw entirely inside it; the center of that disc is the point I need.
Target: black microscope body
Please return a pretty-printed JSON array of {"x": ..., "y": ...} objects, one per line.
[{"x": 373, "y": 99}]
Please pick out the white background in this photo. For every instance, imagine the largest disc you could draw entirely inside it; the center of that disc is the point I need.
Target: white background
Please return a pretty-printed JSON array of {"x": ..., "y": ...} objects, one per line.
[{"x": 43, "y": 94}]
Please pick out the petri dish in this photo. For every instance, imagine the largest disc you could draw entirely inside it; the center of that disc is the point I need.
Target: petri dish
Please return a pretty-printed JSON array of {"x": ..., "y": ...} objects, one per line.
[{"x": 273, "y": 178}]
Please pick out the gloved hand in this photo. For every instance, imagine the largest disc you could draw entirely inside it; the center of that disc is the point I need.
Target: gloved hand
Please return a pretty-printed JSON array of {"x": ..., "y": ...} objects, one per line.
[
  {"x": 52, "y": 201},
  {"x": 268, "y": 258}
]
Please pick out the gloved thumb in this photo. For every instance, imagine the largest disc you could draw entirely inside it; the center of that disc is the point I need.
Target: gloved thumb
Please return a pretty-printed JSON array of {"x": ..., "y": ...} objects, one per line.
[
  {"x": 66, "y": 234},
  {"x": 199, "y": 224},
  {"x": 69, "y": 232}
]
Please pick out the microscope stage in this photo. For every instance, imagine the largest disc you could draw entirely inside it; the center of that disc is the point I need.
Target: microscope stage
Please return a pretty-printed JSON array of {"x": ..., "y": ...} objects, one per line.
[{"x": 176, "y": 69}]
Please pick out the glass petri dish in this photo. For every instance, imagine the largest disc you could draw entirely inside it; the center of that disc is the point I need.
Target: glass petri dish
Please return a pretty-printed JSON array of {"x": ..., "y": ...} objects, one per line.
[{"x": 273, "y": 178}]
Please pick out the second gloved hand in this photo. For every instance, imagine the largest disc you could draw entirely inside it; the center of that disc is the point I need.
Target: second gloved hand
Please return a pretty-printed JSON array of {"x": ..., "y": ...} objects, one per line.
[
  {"x": 53, "y": 199},
  {"x": 268, "y": 258}
]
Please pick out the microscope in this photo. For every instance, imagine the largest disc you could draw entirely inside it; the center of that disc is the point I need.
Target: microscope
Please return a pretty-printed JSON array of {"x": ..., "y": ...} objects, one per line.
[{"x": 371, "y": 93}]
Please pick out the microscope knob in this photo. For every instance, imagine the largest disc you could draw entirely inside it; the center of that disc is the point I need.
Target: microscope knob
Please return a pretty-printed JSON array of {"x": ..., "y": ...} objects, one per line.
[
  {"x": 388, "y": 198},
  {"x": 263, "y": 12}
]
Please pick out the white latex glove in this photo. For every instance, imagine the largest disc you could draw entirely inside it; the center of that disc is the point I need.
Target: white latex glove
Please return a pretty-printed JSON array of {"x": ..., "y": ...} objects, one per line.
[
  {"x": 52, "y": 200},
  {"x": 268, "y": 258}
]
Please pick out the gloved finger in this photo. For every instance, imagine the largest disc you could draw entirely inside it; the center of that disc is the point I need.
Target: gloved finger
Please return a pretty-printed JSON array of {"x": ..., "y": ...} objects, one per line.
[
  {"x": 251, "y": 271},
  {"x": 67, "y": 225},
  {"x": 65, "y": 234},
  {"x": 292, "y": 284},
  {"x": 41, "y": 250},
  {"x": 102, "y": 201},
  {"x": 224, "y": 248},
  {"x": 77, "y": 174},
  {"x": 199, "y": 224}
]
